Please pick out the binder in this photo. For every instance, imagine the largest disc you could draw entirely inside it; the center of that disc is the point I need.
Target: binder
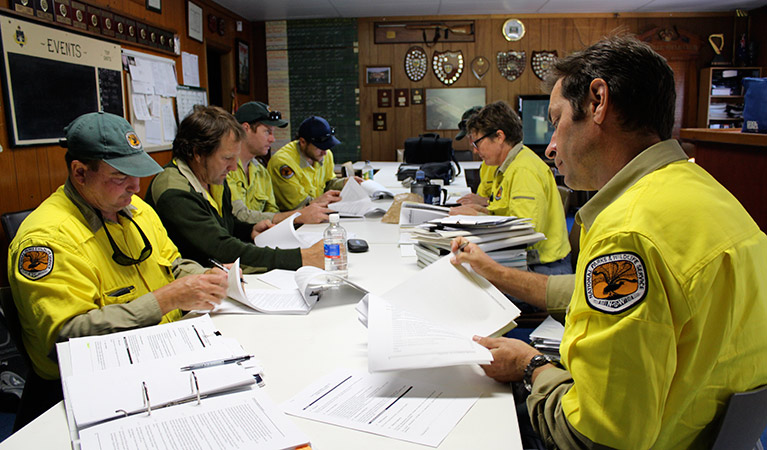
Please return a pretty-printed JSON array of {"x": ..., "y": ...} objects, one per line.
[{"x": 174, "y": 376}]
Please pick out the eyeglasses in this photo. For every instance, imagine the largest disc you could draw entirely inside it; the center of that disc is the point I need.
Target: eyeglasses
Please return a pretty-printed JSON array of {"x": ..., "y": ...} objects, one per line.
[
  {"x": 326, "y": 136},
  {"x": 475, "y": 144},
  {"x": 118, "y": 256}
]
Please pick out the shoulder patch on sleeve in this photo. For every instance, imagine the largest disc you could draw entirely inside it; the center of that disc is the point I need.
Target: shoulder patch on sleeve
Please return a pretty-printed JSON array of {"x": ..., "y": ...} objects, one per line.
[
  {"x": 286, "y": 171},
  {"x": 615, "y": 282},
  {"x": 35, "y": 262},
  {"x": 499, "y": 194}
]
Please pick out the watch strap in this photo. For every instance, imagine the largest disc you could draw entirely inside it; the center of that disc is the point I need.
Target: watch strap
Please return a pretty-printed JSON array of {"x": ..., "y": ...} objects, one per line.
[{"x": 535, "y": 362}]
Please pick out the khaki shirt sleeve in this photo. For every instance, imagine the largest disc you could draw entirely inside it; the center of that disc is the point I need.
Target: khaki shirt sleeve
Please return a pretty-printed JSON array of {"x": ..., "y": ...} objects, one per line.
[
  {"x": 183, "y": 267},
  {"x": 546, "y": 414},
  {"x": 335, "y": 183},
  {"x": 242, "y": 212},
  {"x": 559, "y": 291},
  {"x": 141, "y": 312}
]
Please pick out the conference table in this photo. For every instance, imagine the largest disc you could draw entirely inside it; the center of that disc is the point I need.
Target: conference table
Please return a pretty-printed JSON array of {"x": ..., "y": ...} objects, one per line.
[{"x": 295, "y": 350}]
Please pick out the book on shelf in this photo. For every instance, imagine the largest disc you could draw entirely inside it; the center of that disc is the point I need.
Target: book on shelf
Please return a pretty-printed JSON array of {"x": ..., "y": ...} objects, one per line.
[{"x": 156, "y": 384}]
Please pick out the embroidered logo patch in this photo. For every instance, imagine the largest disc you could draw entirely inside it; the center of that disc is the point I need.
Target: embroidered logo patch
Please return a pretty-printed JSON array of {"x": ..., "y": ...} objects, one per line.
[
  {"x": 133, "y": 140},
  {"x": 499, "y": 194},
  {"x": 286, "y": 172},
  {"x": 35, "y": 262},
  {"x": 615, "y": 282}
]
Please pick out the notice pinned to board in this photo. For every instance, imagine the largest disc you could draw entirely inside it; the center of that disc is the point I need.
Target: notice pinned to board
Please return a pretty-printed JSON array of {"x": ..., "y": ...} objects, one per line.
[{"x": 191, "y": 69}]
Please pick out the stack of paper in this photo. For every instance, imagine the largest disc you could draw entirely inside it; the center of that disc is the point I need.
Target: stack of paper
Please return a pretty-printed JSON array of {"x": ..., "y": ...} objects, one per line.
[
  {"x": 414, "y": 213},
  {"x": 149, "y": 384},
  {"x": 503, "y": 238},
  {"x": 548, "y": 337},
  {"x": 429, "y": 320}
]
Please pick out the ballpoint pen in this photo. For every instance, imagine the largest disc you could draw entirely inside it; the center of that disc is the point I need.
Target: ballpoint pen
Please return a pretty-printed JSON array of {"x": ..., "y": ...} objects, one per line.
[
  {"x": 216, "y": 362},
  {"x": 222, "y": 267},
  {"x": 461, "y": 247}
]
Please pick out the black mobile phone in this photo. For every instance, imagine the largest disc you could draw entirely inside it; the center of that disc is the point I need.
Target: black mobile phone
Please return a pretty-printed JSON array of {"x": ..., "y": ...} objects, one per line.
[{"x": 357, "y": 245}]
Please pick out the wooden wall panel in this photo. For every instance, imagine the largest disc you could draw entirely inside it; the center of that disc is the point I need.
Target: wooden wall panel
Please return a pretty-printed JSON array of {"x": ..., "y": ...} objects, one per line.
[
  {"x": 563, "y": 33},
  {"x": 31, "y": 174}
]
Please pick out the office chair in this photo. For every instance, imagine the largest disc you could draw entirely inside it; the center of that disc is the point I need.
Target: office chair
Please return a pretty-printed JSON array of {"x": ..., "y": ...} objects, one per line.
[
  {"x": 12, "y": 220},
  {"x": 744, "y": 421}
]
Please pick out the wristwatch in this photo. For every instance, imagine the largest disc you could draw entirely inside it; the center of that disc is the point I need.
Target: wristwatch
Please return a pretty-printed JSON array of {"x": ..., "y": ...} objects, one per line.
[{"x": 537, "y": 361}]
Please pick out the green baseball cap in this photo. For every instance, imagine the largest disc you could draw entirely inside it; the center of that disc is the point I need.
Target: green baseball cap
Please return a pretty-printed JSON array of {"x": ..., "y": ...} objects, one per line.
[
  {"x": 259, "y": 112},
  {"x": 464, "y": 118},
  {"x": 110, "y": 138}
]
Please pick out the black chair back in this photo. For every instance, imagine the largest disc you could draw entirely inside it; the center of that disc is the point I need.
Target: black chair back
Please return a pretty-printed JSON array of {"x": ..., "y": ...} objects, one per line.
[
  {"x": 744, "y": 421},
  {"x": 12, "y": 220}
]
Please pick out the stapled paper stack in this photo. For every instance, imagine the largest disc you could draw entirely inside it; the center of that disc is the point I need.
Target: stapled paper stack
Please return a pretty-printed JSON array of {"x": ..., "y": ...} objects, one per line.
[{"x": 503, "y": 238}]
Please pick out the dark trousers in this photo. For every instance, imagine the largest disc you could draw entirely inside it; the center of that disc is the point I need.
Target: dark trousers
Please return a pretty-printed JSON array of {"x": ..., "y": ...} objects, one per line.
[{"x": 38, "y": 396}]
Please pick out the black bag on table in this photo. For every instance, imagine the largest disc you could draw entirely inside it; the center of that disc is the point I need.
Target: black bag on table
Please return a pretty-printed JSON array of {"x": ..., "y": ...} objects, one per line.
[{"x": 432, "y": 154}]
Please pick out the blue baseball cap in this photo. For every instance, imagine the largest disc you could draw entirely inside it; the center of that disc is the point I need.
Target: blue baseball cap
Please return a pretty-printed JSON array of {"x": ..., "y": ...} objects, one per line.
[{"x": 318, "y": 131}]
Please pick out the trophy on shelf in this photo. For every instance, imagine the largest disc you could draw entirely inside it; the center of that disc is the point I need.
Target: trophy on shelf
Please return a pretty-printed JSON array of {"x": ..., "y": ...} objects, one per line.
[{"x": 718, "y": 58}]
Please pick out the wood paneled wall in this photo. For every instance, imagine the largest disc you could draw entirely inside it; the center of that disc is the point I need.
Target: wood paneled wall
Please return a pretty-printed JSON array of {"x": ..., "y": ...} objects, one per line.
[
  {"x": 30, "y": 174},
  {"x": 562, "y": 33}
]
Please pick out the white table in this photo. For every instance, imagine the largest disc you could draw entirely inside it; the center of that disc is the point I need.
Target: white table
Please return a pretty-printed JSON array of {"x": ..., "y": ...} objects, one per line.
[{"x": 295, "y": 350}]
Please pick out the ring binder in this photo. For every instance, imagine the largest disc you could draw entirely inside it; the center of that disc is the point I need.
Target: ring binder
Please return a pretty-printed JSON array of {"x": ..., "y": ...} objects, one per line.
[{"x": 147, "y": 405}]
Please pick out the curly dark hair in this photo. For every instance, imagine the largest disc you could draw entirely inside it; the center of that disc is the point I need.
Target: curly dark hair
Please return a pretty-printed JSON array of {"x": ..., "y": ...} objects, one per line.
[
  {"x": 640, "y": 83},
  {"x": 201, "y": 132},
  {"x": 497, "y": 116}
]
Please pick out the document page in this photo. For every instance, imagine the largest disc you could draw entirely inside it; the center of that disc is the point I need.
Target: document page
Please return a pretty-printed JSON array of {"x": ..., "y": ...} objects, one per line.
[
  {"x": 384, "y": 404},
  {"x": 354, "y": 200},
  {"x": 244, "y": 420},
  {"x": 285, "y": 236},
  {"x": 398, "y": 340},
  {"x": 95, "y": 353}
]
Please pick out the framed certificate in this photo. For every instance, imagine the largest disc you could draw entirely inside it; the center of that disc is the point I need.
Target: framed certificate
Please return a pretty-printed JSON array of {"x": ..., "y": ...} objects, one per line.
[{"x": 194, "y": 19}]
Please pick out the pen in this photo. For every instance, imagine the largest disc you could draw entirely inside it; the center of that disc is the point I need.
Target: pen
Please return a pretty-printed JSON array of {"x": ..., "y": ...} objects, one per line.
[
  {"x": 222, "y": 267},
  {"x": 216, "y": 362},
  {"x": 461, "y": 247}
]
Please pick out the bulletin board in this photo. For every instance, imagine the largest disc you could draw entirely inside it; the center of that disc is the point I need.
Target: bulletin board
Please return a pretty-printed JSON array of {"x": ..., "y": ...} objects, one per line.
[
  {"x": 51, "y": 77},
  {"x": 157, "y": 132}
]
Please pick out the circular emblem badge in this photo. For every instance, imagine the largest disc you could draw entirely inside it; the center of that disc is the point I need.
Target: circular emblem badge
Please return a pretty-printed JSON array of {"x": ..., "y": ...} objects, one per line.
[
  {"x": 286, "y": 172},
  {"x": 616, "y": 282},
  {"x": 133, "y": 140},
  {"x": 35, "y": 262}
]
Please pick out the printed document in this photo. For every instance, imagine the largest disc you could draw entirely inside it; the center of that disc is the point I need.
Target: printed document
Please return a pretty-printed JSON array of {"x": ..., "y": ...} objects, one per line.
[
  {"x": 284, "y": 236},
  {"x": 244, "y": 420},
  {"x": 355, "y": 201},
  {"x": 384, "y": 404}
]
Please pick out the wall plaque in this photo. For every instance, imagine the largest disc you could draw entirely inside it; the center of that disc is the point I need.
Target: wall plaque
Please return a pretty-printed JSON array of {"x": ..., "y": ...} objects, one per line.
[{"x": 384, "y": 98}]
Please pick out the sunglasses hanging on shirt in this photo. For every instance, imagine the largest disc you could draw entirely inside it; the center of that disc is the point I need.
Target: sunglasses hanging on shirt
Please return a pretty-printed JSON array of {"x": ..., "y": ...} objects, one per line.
[{"x": 118, "y": 256}]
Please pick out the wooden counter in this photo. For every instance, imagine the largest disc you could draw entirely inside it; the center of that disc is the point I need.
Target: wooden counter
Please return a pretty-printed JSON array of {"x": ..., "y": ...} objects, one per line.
[{"x": 738, "y": 161}]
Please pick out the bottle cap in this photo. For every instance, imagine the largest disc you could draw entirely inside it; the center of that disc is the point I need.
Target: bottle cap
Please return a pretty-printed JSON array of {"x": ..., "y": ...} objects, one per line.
[
  {"x": 334, "y": 218},
  {"x": 419, "y": 175}
]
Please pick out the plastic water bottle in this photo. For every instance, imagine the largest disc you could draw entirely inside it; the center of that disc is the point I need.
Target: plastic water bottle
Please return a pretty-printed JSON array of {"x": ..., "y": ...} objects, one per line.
[
  {"x": 419, "y": 183},
  {"x": 335, "y": 250},
  {"x": 367, "y": 171}
]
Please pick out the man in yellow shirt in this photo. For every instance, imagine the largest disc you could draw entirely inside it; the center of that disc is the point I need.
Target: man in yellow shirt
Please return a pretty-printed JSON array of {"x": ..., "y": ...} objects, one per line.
[
  {"x": 93, "y": 258},
  {"x": 302, "y": 170},
  {"x": 251, "y": 186},
  {"x": 667, "y": 313},
  {"x": 486, "y": 172},
  {"x": 523, "y": 185}
]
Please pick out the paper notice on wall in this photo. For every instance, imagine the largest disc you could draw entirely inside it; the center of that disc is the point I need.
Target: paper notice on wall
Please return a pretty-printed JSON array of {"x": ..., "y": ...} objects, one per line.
[
  {"x": 140, "y": 107},
  {"x": 168, "y": 122},
  {"x": 191, "y": 69}
]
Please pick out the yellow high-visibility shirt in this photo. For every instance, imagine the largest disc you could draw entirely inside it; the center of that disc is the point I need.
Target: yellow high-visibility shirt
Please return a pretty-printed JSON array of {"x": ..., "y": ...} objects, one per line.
[{"x": 295, "y": 181}]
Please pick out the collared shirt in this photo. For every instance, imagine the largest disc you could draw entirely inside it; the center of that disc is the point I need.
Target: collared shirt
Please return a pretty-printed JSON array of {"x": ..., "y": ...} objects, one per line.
[
  {"x": 297, "y": 182},
  {"x": 525, "y": 187},
  {"x": 667, "y": 314},
  {"x": 486, "y": 178},
  {"x": 252, "y": 192},
  {"x": 65, "y": 283}
]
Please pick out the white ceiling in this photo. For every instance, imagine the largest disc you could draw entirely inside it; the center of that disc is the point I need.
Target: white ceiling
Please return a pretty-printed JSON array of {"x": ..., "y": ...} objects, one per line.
[{"x": 258, "y": 10}]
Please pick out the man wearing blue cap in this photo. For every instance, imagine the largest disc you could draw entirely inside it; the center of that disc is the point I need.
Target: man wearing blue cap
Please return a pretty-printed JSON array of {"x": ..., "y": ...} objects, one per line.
[
  {"x": 302, "y": 170},
  {"x": 94, "y": 259},
  {"x": 251, "y": 186}
]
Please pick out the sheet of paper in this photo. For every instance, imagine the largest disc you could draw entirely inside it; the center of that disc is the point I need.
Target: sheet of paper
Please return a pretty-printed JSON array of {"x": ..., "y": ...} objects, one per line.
[
  {"x": 375, "y": 190},
  {"x": 354, "y": 200},
  {"x": 244, "y": 420},
  {"x": 153, "y": 128},
  {"x": 549, "y": 329},
  {"x": 95, "y": 399},
  {"x": 384, "y": 404},
  {"x": 407, "y": 250},
  {"x": 275, "y": 301},
  {"x": 164, "y": 79},
  {"x": 279, "y": 278},
  {"x": 96, "y": 353},
  {"x": 190, "y": 69},
  {"x": 285, "y": 236},
  {"x": 398, "y": 340},
  {"x": 140, "y": 108},
  {"x": 168, "y": 121}
]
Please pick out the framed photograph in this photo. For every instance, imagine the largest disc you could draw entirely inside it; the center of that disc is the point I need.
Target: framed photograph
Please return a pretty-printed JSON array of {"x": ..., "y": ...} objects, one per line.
[
  {"x": 445, "y": 106},
  {"x": 378, "y": 75},
  {"x": 243, "y": 67},
  {"x": 154, "y": 5},
  {"x": 194, "y": 21}
]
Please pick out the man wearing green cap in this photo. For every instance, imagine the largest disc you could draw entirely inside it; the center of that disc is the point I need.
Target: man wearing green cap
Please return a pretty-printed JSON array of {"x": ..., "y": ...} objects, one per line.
[
  {"x": 252, "y": 192},
  {"x": 486, "y": 172},
  {"x": 94, "y": 259}
]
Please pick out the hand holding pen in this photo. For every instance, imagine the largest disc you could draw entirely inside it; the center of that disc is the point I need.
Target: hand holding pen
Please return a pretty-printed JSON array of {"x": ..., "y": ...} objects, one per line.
[{"x": 225, "y": 269}]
